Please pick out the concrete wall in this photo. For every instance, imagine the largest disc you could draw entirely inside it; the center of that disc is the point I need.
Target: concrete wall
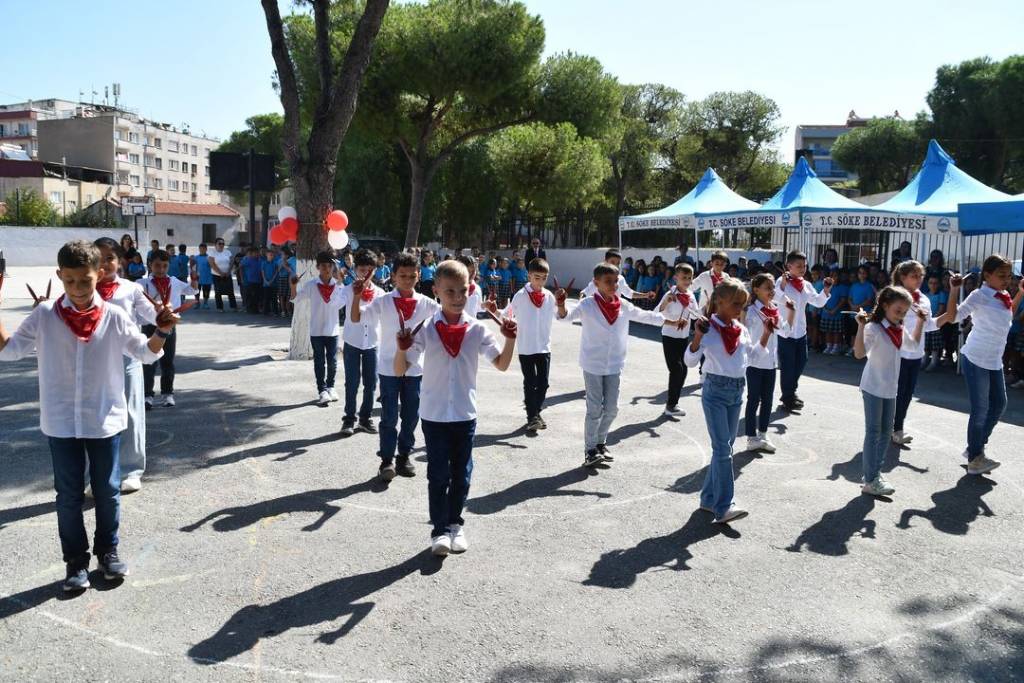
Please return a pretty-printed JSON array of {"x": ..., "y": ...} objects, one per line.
[
  {"x": 189, "y": 229},
  {"x": 79, "y": 142}
]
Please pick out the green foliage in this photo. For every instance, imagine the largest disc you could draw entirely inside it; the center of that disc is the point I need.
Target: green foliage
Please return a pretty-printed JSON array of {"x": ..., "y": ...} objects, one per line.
[
  {"x": 882, "y": 154},
  {"x": 28, "y": 207}
]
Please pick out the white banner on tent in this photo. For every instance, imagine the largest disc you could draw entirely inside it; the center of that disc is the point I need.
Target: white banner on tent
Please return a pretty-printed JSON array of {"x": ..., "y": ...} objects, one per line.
[
  {"x": 655, "y": 223},
  {"x": 758, "y": 219},
  {"x": 885, "y": 222}
]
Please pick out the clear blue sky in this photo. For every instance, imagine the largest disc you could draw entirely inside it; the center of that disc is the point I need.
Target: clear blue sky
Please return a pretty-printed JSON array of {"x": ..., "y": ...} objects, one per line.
[{"x": 208, "y": 62}]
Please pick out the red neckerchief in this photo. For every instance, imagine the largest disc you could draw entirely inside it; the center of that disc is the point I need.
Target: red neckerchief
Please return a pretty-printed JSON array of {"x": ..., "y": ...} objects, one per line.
[
  {"x": 917, "y": 295},
  {"x": 536, "y": 297},
  {"x": 106, "y": 288},
  {"x": 715, "y": 279},
  {"x": 683, "y": 298},
  {"x": 730, "y": 335},
  {"x": 326, "y": 291},
  {"x": 472, "y": 288},
  {"x": 609, "y": 309},
  {"x": 797, "y": 282},
  {"x": 367, "y": 294},
  {"x": 895, "y": 333},
  {"x": 406, "y": 306},
  {"x": 81, "y": 323},
  {"x": 162, "y": 285},
  {"x": 770, "y": 315},
  {"x": 451, "y": 336},
  {"x": 1004, "y": 296}
]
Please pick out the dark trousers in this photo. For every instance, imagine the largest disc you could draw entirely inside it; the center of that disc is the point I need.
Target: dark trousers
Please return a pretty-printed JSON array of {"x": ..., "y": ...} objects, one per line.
[
  {"x": 449, "y": 469},
  {"x": 166, "y": 364},
  {"x": 399, "y": 398},
  {"x": 792, "y": 360},
  {"x": 269, "y": 297},
  {"x": 205, "y": 289},
  {"x": 325, "y": 361},
  {"x": 360, "y": 366},
  {"x": 536, "y": 367},
  {"x": 760, "y": 387},
  {"x": 223, "y": 286},
  {"x": 674, "y": 350},
  {"x": 909, "y": 371},
  {"x": 252, "y": 295},
  {"x": 70, "y": 458}
]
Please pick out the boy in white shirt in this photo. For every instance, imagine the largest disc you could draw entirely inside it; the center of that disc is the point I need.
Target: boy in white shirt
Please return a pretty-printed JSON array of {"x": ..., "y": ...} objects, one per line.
[
  {"x": 399, "y": 394},
  {"x": 605, "y": 318},
  {"x": 361, "y": 335},
  {"x": 793, "y": 341},
  {"x": 450, "y": 346},
  {"x": 705, "y": 283},
  {"x": 167, "y": 291},
  {"x": 474, "y": 300},
  {"x": 79, "y": 342},
  {"x": 533, "y": 309},
  {"x": 614, "y": 258},
  {"x": 679, "y": 307},
  {"x": 325, "y": 298}
]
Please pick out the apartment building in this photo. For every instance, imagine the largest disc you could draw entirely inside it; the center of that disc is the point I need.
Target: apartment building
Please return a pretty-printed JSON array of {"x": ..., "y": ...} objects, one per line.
[
  {"x": 68, "y": 188},
  {"x": 19, "y": 122}
]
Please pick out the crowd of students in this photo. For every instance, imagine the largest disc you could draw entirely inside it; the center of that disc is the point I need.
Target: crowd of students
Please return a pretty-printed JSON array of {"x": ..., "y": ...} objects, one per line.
[{"x": 413, "y": 328}]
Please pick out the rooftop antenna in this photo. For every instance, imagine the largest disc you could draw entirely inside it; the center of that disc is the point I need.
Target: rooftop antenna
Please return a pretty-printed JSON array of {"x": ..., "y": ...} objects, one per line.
[
  {"x": 94, "y": 94},
  {"x": 106, "y": 94},
  {"x": 117, "y": 93}
]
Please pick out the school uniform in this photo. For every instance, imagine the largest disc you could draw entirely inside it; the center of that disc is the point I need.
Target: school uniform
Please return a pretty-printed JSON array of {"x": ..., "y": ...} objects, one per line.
[
  {"x": 725, "y": 367},
  {"x": 449, "y": 356},
  {"x": 205, "y": 277},
  {"x": 534, "y": 312},
  {"x": 761, "y": 370},
  {"x": 129, "y": 297},
  {"x": 933, "y": 343},
  {"x": 426, "y": 285},
  {"x": 398, "y": 392},
  {"x": 602, "y": 356},
  {"x": 359, "y": 352},
  {"x": 673, "y": 340},
  {"x": 991, "y": 319},
  {"x": 704, "y": 284},
  {"x": 325, "y": 300},
  {"x": 911, "y": 356},
  {"x": 504, "y": 283},
  {"x": 269, "y": 288},
  {"x": 792, "y": 342},
  {"x": 168, "y": 290},
  {"x": 82, "y": 409},
  {"x": 878, "y": 386},
  {"x": 474, "y": 300},
  {"x": 832, "y": 321}
]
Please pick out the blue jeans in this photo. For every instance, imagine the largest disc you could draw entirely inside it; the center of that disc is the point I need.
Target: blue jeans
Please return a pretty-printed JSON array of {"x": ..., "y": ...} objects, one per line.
[
  {"x": 69, "y": 462},
  {"x": 395, "y": 391},
  {"x": 760, "y": 387},
  {"x": 792, "y": 360},
  {"x": 449, "y": 470},
  {"x": 878, "y": 419},
  {"x": 360, "y": 364},
  {"x": 325, "y": 354},
  {"x": 909, "y": 370},
  {"x": 986, "y": 390},
  {"x": 721, "y": 398},
  {"x": 602, "y": 407}
]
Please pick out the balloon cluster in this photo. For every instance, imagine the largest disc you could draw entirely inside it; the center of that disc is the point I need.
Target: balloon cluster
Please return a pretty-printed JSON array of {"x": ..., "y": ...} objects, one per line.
[
  {"x": 287, "y": 229},
  {"x": 337, "y": 236}
]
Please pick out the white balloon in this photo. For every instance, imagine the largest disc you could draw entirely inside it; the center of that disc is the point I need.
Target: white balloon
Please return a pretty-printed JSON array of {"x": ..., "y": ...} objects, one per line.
[
  {"x": 338, "y": 239},
  {"x": 287, "y": 212}
]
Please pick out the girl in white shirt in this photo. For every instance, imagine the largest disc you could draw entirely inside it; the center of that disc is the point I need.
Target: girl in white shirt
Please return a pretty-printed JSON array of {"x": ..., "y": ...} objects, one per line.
[
  {"x": 990, "y": 309},
  {"x": 762, "y": 315},
  {"x": 727, "y": 350},
  {"x": 880, "y": 336},
  {"x": 679, "y": 306}
]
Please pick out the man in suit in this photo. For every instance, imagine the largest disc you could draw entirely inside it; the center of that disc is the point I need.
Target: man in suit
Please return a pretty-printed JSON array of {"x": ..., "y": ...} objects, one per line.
[{"x": 534, "y": 251}]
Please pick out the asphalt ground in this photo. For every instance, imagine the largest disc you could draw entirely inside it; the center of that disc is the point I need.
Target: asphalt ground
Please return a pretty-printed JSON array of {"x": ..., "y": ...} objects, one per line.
[{"x": 263, "y": 549}]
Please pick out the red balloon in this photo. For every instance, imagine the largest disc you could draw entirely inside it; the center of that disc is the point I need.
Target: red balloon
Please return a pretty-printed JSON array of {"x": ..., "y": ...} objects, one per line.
[
  {"x": 290, "y": 228},
  {"x": 277, "y": 235},
  {"x": 337, "y": 220}
]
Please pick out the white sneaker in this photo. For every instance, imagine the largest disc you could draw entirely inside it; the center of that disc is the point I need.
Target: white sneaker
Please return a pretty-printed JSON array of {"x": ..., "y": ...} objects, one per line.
[
  {"x": 131, "y": 485},
  {"x": 169, "y": 401},
  {"x": 766, "y": 445},
  {"x": 878, "y": 487},
  {"x": 458, "y": 536},
  {"x": 441, "y": 545},
  {"x": 754, "y": 443},
  {"x": 325, "y": 398},
  {"x": 731, "y": 515},
  {"x": 674, "y": 411},
  {"x": 982, "y": 465},
  {"x": 901, "y": 438},
  {"x": 88, "y": 491},
  {"x": 332, "y": 394}
]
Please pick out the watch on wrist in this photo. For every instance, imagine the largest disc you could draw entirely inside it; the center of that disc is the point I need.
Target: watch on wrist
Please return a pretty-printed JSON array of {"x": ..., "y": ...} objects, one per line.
[{"x": 163, "y": 335}]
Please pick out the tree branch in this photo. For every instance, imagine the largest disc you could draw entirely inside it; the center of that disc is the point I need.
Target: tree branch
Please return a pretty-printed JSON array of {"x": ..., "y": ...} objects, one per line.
[
  {"x": 450, "y": 148},
  {"x": 287, "y": 81}
]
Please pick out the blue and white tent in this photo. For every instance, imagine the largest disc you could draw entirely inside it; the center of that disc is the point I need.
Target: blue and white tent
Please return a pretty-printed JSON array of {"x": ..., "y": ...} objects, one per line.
[
  {"x": 989, "y": 218},
  {"x": 710, "y": 194}
]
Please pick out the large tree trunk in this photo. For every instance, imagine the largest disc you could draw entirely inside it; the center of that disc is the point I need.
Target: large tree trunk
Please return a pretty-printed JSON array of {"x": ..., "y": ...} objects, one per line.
[
  {"x": 419, "y": 184},
  {"x": 314, "y": 190}
]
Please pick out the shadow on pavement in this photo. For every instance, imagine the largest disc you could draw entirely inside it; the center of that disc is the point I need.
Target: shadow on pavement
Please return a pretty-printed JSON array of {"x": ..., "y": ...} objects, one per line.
[
  {"x": 530, "y": 489},
  {"x": 694, "y": 481},
  {"x": 830, "y": 534},
  {"x": 955, "y": 509}
]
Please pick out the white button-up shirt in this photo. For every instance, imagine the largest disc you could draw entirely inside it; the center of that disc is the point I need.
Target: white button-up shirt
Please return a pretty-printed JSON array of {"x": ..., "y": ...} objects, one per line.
[
  {"x": 364, "y": 334},
  {"x": 384, "y": 308},
  {"x": 703, "y": 284},
  {"x": 809, "y": 295},
  {"x": 622, "y": 289},
  {"x": 717, "y": 361},
  {"x": 913, "y": 350},
  {"x": 323, "y": 316},
  {"x": 179, "y": 289},
  {"x": 881, "y": 373},
  {"x": 128, "y": 297},
  {"x": 755, "y": 327},
  {"x": 603, "y": 346},
  {"x": 448, "y": 391},
  {"x": 534, "y": 335},
  {"x": 675, "y": 311},
  {"x": 81, "y": 384},
  {"x": 473, "y": 302},
  {"x": 990, "y": 324}
]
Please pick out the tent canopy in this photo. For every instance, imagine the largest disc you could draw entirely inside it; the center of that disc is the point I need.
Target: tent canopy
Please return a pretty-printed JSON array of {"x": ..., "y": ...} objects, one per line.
[
  {"x": 709, "y": 195},
  {"x": 987, "y": 218},
  {"x": 803, "y": 190}
]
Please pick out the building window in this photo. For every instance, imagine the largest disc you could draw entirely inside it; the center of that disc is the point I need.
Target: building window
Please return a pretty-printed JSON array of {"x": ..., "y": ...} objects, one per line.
[
  {"x": 55, "y": 198},
  {"x": 133, "y": 158},
  {"x": 172, "y": 164},
  {"x": 206, "y": 170},
  {"x": 170, "y": 232},
  {"x": 157, "y": 142},
  {"x": 172, "y": 146},
  {"x": 193, "y": 187},
  {"x": 206, "y": 154},
  {"x": 133, "y": 137},
  {"x": 195, "y": 169},
  {"x": 159, "y": 163},
  {"x": 122, "y": 157},
  {"x": 209, "y": 233},
  {"x": 195, "y": 151},
  {"x": 172, "y": 185},
  {"x": 135, "y": 180}
]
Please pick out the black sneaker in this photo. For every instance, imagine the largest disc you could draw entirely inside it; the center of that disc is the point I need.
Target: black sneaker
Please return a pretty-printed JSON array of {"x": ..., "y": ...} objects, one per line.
[
  {"x": 367, "y": 426},
  {"x": 114, "y": 568},
  {"x": 348, "y": 426},
  {"x": 386, "y": 471},
  {"x": 76, "y": 577},
  {"x": 605, "y": 454},
  {"x": 541, "y": 423},
  {"x": 790, "y": 405},
  {"x": 592, "y": 459},
  {"x": 533, "y": 424},
  {"x": 405, "y": 467},
  {"x": 798, "y": 402}
]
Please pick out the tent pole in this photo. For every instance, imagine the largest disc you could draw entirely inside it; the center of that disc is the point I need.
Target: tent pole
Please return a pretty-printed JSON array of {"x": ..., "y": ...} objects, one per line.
[
  {"x": 620, "y": 237},
  {"x": 960, "y": 331},
  {"x": 696, "y": 247}
]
